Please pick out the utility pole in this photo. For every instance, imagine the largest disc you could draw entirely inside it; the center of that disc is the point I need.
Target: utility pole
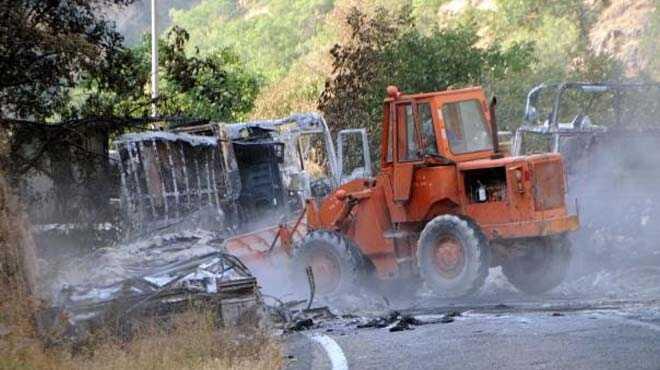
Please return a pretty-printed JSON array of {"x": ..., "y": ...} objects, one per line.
[{"x": 154, "y": 59}]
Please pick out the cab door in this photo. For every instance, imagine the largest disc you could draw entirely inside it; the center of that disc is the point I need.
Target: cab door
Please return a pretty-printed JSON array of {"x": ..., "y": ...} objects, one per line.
[{"x": 407, "y": 149}]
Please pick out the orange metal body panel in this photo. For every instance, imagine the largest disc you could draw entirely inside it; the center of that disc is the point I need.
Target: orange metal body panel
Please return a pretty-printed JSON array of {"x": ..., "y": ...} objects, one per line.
[
  {"x": 407, "y": 194},
  {"x": 402, "y": 181},
  {"x": 370, "y": 222},
  {"x": 521, "y": 202},
  {"x": 550, "y": 226},
  {"x": 434, "y": 189},
  {"x": 397, "y": 209}
]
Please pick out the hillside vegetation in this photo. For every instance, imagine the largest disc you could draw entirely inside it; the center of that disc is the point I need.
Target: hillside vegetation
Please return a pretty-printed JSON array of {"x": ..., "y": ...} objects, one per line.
[{"x": 289, "y": 41}]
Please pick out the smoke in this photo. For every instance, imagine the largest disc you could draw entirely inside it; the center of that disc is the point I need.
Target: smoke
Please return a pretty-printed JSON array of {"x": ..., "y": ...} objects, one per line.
[{"x": 617, "y": 185}]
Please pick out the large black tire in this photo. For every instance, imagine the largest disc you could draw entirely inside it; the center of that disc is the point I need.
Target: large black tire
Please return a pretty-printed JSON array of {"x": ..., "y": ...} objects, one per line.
[
  {"x": 336, "y": 252},
  {"x": 453, "y": 256},
  {"x": 542, "y": 268}
]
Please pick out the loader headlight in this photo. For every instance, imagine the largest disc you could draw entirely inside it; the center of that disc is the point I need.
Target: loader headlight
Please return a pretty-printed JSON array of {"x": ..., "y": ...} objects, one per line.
[{"x": 519, "y": 180}]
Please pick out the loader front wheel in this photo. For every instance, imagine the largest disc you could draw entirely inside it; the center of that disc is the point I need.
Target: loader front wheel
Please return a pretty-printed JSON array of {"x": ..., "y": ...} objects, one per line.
[
  {"x": 453, "y": 256},
  {"x": 336, "y": 262},
  {"x": 542, "y": 267}
]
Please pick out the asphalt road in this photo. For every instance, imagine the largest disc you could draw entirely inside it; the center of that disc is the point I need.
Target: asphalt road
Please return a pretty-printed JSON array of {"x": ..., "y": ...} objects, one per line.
[{"x": 561, "y": 334}]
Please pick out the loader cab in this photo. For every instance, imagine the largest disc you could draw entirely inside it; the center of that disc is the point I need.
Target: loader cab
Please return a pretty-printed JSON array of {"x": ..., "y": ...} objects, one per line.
[{"x": 436, "y": 128}]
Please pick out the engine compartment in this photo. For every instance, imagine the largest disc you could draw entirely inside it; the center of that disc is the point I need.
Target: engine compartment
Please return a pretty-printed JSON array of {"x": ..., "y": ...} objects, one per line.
[{"x": 485, "y": 185}]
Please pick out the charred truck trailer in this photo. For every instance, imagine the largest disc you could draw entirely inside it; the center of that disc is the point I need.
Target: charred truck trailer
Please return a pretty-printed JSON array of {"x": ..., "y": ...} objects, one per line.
[
  {"x": 166, "y": 177},
  {"x": 245, "y": 178}
]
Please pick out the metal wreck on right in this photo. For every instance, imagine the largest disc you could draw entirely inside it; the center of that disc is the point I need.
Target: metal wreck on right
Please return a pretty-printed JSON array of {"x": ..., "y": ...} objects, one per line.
[
  {"x": 572, "y": 117},
  {"x": 609, "y": 136}
]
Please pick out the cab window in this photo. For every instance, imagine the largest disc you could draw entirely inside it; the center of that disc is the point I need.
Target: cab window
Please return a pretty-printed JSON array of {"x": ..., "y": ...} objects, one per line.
[
  {"x": 408, "y": 149},
  {"x": 466, "y": 127},
  {"x": 390, "y": 138},
  {"x": 428, "y": 132}
]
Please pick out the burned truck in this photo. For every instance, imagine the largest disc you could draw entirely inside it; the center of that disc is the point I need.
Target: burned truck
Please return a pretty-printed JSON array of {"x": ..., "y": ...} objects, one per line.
[
  {"x": 573, "y": 117},
  {"x": 238, "y": 177},
  {"x": 609, "y": 135}
]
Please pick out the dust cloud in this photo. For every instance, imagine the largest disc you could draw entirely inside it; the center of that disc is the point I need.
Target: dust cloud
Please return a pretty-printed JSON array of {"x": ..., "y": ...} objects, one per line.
[
  {"x": 615, "y": 184},
  {"x": 617, "y": 250}
]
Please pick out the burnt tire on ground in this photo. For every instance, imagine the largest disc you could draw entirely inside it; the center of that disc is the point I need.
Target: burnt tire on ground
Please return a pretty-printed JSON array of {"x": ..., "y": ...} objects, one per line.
[
  {"x": 453, "y": 256},
  {"x": 542, "y": 268},
  {"x": 336, "y": 262}
]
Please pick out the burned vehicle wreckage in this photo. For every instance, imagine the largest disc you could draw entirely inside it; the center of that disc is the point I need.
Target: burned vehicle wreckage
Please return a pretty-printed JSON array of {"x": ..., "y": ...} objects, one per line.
[
  {"x": 158, "y": 276},
  {"x": 572, "y": 117},
  {"x": 609, "y": 135},
  {"x": 246, "y": 172},
  {"x": 196, "y": 198}
]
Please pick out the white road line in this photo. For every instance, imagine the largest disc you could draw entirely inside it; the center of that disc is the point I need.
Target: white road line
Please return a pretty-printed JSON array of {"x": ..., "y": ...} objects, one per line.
[{"x": 333, "y": 350}]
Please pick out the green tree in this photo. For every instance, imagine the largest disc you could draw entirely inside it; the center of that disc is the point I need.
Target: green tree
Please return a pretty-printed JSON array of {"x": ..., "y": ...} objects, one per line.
[
  {"x": 387, "y": 49},
  {"x": 214, "y": 86},
  {"x": 353, "y": 93},
  {"x": 269, "y": 35},
  {"x": 45, "y": 46}
]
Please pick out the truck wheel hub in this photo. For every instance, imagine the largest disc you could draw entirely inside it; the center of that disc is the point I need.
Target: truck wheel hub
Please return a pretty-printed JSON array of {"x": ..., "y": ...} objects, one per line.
[
  {"x": 326, "y": 272},
  {"x": 449, "y": 257}
]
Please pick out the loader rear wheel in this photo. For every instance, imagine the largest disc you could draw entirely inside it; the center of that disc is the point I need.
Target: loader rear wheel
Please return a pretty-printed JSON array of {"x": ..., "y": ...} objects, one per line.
[
  {"x": 335, "y": 260},
  {"x": 542, "y": 268},
  {"x": 453, "y": 256}
]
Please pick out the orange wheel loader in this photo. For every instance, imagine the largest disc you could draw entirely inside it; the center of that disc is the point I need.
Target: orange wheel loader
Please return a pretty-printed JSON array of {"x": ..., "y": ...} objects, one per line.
[{"x": 445, "y": 207}]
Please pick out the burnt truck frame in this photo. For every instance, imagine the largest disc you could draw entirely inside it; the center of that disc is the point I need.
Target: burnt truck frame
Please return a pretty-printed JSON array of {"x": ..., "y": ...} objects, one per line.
[
  {"x": 241, "y": 176},
  {"x": 612, "y": 165},
  {"x": 575, "y": 138}
]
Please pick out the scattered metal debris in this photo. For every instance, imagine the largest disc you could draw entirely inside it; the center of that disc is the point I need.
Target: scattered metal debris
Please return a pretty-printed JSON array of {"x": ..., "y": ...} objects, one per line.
[
  {"x": 404, "y": 323},
  {"x": 215, "y": 275},
  {"x": 158, "y": 275},
  {"x": 380, "y": 322},
  {"x": 396, "y": 321},
  {"x": 312, "y": 286},
  {"x": 293, "y": 319},
  {"x": 302, "y": 324}
]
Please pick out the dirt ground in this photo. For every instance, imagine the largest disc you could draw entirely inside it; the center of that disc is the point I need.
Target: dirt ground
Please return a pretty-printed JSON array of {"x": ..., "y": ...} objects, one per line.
[{"x": 191, "y": 342}]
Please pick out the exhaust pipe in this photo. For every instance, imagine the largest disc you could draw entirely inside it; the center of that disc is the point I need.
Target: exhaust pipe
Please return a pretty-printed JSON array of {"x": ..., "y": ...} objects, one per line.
[{"x": 493, "y": 125}]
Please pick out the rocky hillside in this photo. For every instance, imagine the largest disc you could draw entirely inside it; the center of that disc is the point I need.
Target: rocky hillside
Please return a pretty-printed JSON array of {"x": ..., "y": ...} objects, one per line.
[
  {"x": 621, "y": 28},
  {"x": 287, "y": 41},
  {"x": 625, "y": 30}
]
